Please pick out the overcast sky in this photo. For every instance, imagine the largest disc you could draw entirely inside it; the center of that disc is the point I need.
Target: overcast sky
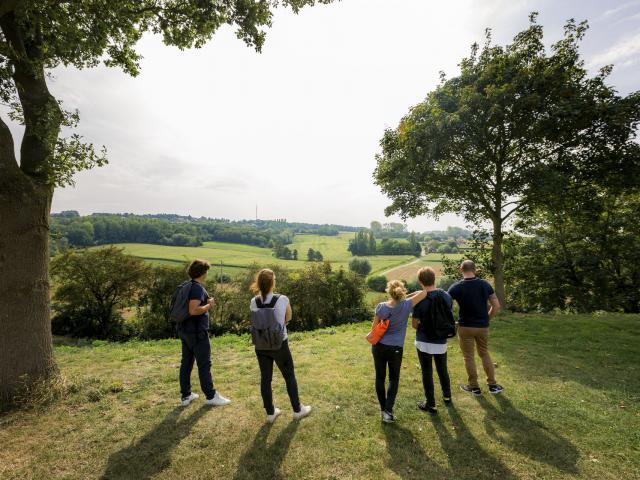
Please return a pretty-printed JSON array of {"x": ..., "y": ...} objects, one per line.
[{"x": 295, "y": 129}]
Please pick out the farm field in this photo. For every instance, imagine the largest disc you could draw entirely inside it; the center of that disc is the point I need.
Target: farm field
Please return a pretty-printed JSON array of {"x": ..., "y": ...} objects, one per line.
[
  {"x": 235, "y": 256},
  {"x": 570, "y": 410}
]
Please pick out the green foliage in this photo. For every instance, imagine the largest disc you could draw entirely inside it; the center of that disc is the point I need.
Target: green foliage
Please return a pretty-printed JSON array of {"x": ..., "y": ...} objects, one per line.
[
  {"x": 377, "y": 283},
  {"x": 478, "y": 252},
  {"x": 361, "y": 266},
  {"x": 314, "y": 255},
  {"x": 92, "y": 288},
  {"x": 583, "y": 254},
  {"x": 488, "y": 143},
  {"x": 364, "y": 244},
  {"x": 152, "y": 320}
]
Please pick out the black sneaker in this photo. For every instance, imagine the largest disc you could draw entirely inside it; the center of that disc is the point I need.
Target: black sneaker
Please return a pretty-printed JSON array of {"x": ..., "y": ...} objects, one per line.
[
  {"x": 426, "y": 408},
  {"x": 388, "y": 417},
  {"x": 495, "y": 389},
  {"x": 447, "y": 401},
  {"x": 472, "y": 390}
]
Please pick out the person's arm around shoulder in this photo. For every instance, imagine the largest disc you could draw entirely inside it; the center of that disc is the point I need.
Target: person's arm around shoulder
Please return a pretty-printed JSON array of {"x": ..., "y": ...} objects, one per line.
[{"x": 417, "y": 297}]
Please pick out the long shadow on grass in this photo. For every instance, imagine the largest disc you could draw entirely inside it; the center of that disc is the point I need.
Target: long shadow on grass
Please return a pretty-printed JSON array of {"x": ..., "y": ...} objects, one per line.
[
  {"x": 407, "y": 458},
  {"x": 262, "y": 460},
  {"x": 467, "y": 458},
  {"x": 151, "y": 454},
  {"x": 529, "y": 437}
]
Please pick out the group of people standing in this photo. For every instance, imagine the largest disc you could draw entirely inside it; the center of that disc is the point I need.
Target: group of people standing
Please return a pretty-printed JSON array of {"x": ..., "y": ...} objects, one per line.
[{"x": 477, "y": 305}]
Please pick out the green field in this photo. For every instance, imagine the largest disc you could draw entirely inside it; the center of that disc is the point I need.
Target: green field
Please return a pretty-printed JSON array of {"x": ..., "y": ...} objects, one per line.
[
  {"x": 235, "y": 256},
  {"x": 570, "y": 410}
]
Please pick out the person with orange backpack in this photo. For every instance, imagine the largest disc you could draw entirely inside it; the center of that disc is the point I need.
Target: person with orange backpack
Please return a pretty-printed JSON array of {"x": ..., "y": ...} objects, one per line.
[{"x": 387, "y": 336}]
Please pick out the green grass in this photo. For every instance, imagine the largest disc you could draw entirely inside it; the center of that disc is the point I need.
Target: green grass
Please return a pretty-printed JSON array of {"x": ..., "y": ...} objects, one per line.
[
  {"x": 570, "y": 410},
  {"x": 235, "y": 256}
]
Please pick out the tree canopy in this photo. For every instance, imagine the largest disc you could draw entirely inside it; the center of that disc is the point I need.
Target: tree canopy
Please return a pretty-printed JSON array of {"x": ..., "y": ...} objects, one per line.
[{"x": 488, "y": 143}]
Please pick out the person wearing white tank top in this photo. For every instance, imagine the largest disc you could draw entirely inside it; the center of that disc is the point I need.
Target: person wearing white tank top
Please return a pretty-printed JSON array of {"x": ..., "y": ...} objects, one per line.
[{"x": 264, "y": 289}]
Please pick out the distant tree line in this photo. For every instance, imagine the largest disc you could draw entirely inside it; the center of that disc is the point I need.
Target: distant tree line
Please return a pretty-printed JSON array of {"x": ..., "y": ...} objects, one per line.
[
  {"x": 69, "y": 229},
  {"x": 364, "y": 244},
  {"x": 95, "y": 287}
]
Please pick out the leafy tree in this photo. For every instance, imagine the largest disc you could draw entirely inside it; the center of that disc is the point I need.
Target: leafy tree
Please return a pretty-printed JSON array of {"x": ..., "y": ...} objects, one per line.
[
  {"x": 311, "y": 255},
  {"x": 361, "y": 266},
  {"x": 376, "y": 227},
  {"x": 36, "y": 36},
  {"x": 93, "y": 286},
  {"x": 295, "y": 254},
  {"x": 485, "y": 143},
  {"x": 377, "y": 283}
]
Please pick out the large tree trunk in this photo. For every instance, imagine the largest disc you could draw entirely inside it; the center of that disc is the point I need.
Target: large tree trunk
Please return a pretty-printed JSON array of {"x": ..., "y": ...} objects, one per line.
[
  {"x": 26, "y": 191},
  {"x": 498, "y": 263},
  {"x": 25, "y": 326}
]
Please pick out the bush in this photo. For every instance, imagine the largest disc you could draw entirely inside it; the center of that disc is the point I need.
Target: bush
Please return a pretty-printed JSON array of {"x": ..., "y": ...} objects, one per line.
[
  {"x": 445, "y": 282},
  {"x": 361, "y": 266},
  {"x": 93, "y": 287},
  {"x": 377, "y": 283}
]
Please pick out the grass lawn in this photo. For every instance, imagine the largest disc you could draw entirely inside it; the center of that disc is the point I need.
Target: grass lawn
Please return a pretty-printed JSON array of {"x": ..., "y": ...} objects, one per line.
[
  {"x": 570, "y": 410},
  {"x": 235, "y": 256}
]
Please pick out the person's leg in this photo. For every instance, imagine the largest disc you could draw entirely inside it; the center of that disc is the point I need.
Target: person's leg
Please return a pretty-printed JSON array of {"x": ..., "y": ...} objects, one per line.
[
  {"x": 443, "y": 374},
  {"x": 467, "y": 342},
  {"x": 186, "y": 365},
  {"x": 202, "y": 352},
  {"x": 427, "y": 378},
  {"x": 380, "y": 364},
  {"x": 284, "y": 360},
  {"x": 265, "y": 362},
  {"x": 482, "y": 343},
  {"x": 394, "y": 359}
]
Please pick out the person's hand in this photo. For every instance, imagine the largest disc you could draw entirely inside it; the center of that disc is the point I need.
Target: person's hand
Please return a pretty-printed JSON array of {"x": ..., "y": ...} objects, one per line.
[{"x": 211, "y": 302}]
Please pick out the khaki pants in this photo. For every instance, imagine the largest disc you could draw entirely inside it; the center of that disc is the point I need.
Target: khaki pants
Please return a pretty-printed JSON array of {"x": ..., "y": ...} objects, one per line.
[{"x": 479, "y": 337}]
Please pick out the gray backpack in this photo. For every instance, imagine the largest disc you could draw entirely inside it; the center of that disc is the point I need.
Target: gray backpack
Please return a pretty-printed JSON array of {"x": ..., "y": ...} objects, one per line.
[
  {"x": 179, "y": 306},
  {"x": 266, "y": 332}
]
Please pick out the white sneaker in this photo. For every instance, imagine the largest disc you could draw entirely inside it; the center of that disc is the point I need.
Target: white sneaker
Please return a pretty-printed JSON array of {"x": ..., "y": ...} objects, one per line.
[
  {"x": 304, "y": 411},
  {"x": 272, "y": 418},
  {"x": 187, "y": 400},
  {"x": 388, "y": 417},
  {"x": 217, "y": 400}
]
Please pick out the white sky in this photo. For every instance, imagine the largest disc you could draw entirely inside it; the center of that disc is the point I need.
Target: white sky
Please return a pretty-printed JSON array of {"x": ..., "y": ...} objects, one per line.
[{"x": 295, "y": 129}]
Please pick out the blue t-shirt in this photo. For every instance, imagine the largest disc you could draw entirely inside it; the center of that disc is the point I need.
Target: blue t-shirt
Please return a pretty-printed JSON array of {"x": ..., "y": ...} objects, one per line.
[
  {"x": 472, "y": 295},
  {"x": 197, "y": 323},
  {"x": 398, "y": 316},
  {"x": 420, "y": 311}
]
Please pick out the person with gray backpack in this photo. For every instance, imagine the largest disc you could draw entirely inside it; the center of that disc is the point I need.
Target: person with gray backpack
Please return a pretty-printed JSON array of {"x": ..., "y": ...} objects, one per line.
[
  {"x": 270, "y": 314},
  {"x": 189, "y": 309}
]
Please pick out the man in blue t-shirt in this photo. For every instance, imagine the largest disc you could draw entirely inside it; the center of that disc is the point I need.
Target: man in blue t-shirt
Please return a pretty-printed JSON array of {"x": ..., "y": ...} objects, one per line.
[
  {"x": 194, "y": 334},
  {"x": 473, "y": 296}
]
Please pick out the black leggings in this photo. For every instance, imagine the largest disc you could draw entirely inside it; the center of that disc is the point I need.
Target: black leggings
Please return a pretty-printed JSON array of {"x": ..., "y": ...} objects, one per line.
[
  {"x": 383, "y": 355},
  {"x": 284, "y": 361},
  {"x": 427, "y": 375}
]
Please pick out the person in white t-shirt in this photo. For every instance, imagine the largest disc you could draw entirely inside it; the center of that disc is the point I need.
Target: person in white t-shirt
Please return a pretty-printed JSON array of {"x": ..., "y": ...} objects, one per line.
[{"x": 263, "y": 288}]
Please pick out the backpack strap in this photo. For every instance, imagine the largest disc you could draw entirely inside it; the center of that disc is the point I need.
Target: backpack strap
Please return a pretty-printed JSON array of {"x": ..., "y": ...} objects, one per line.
[{"x": 271, "y": 304}]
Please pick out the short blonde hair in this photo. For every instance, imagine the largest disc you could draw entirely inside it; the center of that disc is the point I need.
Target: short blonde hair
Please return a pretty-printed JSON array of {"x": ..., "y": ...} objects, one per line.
[{"x": 396, "y": 290}]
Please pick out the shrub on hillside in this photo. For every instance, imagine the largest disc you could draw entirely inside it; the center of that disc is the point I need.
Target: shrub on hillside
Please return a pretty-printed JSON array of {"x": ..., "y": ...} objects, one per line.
[
  {"x": 93, "y": 287},
  {"x": 361, "y": 266},
  {"x": 377, "y": 283}
]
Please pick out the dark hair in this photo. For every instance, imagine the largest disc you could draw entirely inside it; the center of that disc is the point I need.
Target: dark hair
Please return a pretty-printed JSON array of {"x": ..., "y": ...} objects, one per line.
[
  {"x": 264, "y": 282},
  {"x": 197, "y": 268},
  {"x": 468, "y": 266},
  {"x": 427, "y": 276}
]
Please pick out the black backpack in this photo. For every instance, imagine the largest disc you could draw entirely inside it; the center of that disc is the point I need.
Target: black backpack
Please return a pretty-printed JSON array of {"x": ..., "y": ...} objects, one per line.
[
  {"x": 439, "y": 321},
  {"x": 179, "y": 306}
]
